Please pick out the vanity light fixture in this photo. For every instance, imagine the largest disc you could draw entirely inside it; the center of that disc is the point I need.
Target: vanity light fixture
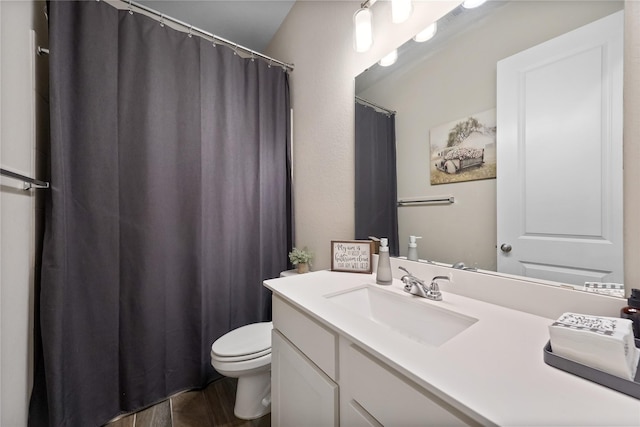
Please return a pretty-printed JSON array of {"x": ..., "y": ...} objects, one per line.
[
  {"x": 389, "y": 59},
  {"x": 427, "y": 33},
  {"x": 400, "y": 10},
  {"x": 362, "y": 30},
  {"x": 470, "y": 4}
]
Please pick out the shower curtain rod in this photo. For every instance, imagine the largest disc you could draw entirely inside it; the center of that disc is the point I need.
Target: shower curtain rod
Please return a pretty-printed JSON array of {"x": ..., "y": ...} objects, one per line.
[
  {"x": 218, "y": 40},
  {"x": 371, "y": 104}
]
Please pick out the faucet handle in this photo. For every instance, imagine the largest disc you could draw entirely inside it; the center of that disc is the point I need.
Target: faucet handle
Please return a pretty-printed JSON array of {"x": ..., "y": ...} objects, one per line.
[
  {"x": 434, "y": 284},
  {"x": 434, "y": 289},
  {"x": 405, "y": 270}
]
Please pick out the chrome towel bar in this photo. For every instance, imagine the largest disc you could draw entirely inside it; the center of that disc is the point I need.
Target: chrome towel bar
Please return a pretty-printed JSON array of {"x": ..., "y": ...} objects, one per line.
[
  {"x": 426, "y": 200},
  {"x": 29, "y": 183}
]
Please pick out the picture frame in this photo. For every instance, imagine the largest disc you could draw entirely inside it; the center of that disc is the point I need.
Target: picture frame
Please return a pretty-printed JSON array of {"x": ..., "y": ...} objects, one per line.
[
  {"x": 353, "y": 256},
  {"x": 464, "y": 149}
]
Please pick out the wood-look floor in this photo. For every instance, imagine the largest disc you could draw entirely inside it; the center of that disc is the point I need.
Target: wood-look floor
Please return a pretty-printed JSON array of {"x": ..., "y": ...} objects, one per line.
[{"x": 210, "y": 407}]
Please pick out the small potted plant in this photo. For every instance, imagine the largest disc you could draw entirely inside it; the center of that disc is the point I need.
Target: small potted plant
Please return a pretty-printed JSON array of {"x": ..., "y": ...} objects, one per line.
[{"x": 301, "y": 259}]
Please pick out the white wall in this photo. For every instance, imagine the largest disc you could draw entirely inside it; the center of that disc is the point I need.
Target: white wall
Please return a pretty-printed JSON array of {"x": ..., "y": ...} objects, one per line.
[
  {"x": 317, "y": 37},
  {"x": 20, "y": 99},
  {"x": 454, "y": 83}
]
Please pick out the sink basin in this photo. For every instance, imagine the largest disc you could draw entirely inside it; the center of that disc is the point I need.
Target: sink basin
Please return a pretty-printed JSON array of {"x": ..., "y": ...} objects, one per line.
[{"x": 421, "y": 322}]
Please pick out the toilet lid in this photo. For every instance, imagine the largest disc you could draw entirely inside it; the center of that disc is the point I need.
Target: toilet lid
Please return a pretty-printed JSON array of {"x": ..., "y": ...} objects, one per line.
[{"x": 248, "y": 339}]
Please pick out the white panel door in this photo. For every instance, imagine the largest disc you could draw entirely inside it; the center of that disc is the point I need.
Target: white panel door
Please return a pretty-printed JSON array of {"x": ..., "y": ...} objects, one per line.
[
  {"x": 301, "y": 394},
  {"x": 559, "y": 147}
]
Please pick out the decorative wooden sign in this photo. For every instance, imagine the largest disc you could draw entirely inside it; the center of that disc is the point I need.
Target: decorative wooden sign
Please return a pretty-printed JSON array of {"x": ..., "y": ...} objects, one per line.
[{"x": 352, "y": 256}]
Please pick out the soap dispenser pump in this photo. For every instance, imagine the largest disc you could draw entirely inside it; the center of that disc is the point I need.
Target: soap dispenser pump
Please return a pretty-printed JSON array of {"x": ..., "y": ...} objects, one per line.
[
  {"x": 383, "y": 274},
  {"x": 412, "y": 254}
]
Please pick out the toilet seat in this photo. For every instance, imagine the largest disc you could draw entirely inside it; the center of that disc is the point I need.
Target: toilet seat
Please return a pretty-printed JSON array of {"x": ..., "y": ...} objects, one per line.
[
  {"x": 242, "y": 367},
  {"x": 241, "y": 358},
  {"x": 245, "y": 343}
]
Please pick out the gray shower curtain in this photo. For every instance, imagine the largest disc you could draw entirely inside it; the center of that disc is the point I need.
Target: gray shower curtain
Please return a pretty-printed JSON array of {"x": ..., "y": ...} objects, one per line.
[
  {"x": 170, "y": 203},
  {"x": 376, "y": 197}
]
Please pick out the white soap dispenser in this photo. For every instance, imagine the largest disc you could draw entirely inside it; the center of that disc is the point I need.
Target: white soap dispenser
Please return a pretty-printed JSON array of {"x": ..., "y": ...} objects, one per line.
[
  {"x": 383, "y": 274},
  {"x": 412, "y": 255}
]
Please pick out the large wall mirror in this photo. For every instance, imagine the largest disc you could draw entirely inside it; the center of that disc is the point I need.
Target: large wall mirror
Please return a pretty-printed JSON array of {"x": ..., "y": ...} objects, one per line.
[{"x": 448, "y": 78}]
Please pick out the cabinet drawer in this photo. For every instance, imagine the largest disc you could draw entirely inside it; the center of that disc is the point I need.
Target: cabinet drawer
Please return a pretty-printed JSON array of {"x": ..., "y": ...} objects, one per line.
[
  {"x": 391, "y": 398},
  {"x": 314, "y": 340}
]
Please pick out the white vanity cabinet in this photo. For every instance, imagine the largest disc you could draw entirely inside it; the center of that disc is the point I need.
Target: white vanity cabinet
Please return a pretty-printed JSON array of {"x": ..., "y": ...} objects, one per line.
[
  {"x": 320, "y": 378},
  {"x": 334, "y": 365}
]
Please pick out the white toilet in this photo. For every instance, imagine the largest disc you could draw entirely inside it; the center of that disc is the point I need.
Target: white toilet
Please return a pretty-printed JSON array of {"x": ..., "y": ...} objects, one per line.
[{"x": 245, "y": 353}]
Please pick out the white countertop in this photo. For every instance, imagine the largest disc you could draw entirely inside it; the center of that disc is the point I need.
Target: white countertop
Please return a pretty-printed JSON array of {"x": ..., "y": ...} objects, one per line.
[{"x": 493, "y": 370}]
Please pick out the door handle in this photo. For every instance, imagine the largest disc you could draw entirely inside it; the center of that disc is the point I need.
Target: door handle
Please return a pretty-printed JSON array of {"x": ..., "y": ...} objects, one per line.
[{"x": 505, "y": 247}]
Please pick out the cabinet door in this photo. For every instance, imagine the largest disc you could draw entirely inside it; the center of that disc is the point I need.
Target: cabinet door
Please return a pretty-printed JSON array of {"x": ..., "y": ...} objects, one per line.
[
  {"x": 354, "y": 415},
  {"x": 301, "y": 394}
]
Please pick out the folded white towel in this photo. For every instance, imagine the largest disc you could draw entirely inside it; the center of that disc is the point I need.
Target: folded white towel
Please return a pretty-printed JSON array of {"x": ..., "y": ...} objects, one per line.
[{"x": 604, "y": 343}]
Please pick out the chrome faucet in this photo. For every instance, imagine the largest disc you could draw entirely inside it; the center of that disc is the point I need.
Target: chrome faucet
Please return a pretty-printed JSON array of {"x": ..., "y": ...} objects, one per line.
[{"x": 418, "y": 287}]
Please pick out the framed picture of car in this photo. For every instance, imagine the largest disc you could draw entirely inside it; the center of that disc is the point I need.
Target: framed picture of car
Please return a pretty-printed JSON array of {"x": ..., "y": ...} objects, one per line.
[{"x": 464, "y": 149}]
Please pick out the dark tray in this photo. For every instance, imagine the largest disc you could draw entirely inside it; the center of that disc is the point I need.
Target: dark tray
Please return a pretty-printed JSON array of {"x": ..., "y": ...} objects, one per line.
[{"x": 631, "y": 388}]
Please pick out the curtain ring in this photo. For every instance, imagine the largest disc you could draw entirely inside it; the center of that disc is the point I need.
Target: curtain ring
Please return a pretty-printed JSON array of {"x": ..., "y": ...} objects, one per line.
[
  {"x": 270, "y": 60},
  {"x": 130, "y": 8},
  {"x": 190, "y": 28},
  {"x": 162, "y": 20},
  {"x": 253, "y": 58},
  {"x": 235, "y": 50}
]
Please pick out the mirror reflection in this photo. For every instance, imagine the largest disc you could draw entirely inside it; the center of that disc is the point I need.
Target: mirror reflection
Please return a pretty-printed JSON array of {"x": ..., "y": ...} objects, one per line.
[{"x": 452, "y": 77}]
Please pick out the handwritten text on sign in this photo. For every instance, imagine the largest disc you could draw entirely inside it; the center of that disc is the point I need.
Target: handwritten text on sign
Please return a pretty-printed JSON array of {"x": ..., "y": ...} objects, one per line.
[{"x": 354, "y": 256}]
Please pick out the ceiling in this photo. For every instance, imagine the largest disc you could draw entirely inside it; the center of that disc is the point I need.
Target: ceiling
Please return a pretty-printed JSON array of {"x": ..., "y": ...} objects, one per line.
[{"x": 249, "y": 23}]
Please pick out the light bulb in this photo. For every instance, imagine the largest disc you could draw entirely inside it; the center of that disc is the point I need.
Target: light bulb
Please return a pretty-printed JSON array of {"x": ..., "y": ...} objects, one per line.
[
  {"x": 362, "y": 30},
  {"x": 389, "y": 59},
  {"x": 400, "y": 10},
  {"x": 470, "y": 4},
  {"x": 427, "y": 33}
]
